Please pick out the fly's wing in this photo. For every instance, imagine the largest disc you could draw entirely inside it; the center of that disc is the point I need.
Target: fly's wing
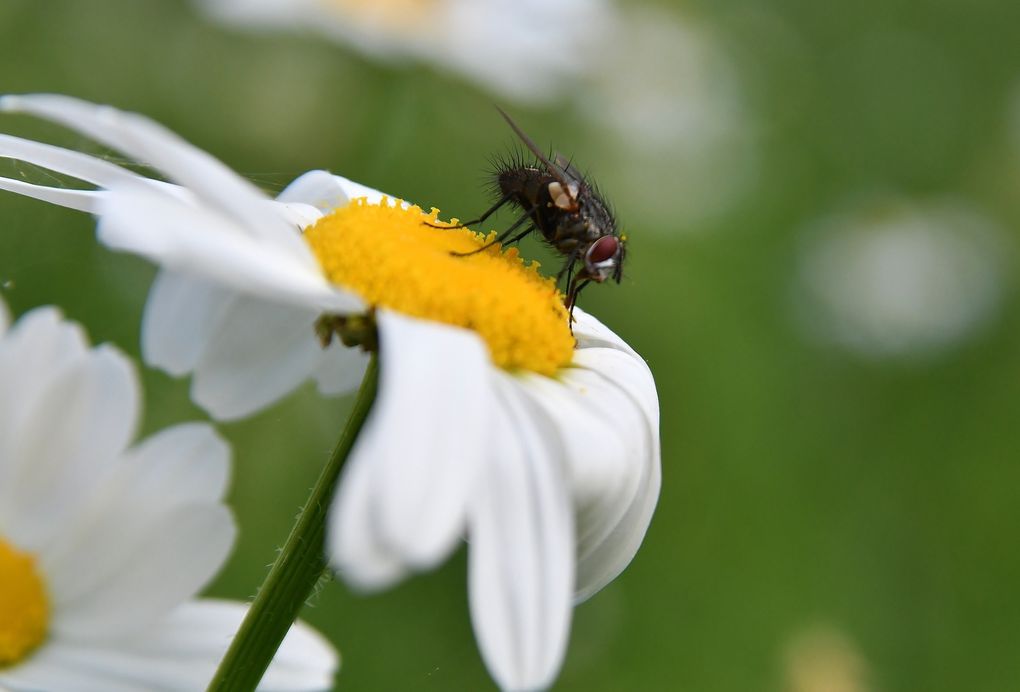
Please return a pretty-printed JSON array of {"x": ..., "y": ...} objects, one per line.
[
  {"x": 554, "y": 170},
  {"x": 567, "y": 168}
]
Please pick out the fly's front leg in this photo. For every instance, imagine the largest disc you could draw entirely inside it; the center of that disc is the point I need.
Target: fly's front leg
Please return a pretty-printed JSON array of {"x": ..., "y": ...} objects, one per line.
[
  {"x": 576, "y": 286},
  {"x": 504, "y": 235},
  {"x": 488, "y": 212}
]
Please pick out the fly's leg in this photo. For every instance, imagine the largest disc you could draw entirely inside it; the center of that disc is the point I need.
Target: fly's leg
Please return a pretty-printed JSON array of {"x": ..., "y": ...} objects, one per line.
[
  {"x": 504, "y": 235},
  {"x": 568, "y": 267},
  {"x": 576, "y": 286},
  {"x": 488, "y": 212}
]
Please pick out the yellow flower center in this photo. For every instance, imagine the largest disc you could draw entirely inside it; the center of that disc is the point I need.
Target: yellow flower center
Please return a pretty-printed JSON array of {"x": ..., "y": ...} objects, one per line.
[
  {"x": 392, "y": 258},
  {"x": 24, "y": 608}
]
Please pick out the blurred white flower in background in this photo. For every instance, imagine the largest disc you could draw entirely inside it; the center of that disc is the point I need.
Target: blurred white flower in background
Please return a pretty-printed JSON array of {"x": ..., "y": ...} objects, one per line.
[
  {"x": 102, "y": 546},
  {"x": 523, "y": 49},
  {"x": 901, "y": 280},
  {"x": 669, "y": 128},
  {"x": 667, "y": 98}
]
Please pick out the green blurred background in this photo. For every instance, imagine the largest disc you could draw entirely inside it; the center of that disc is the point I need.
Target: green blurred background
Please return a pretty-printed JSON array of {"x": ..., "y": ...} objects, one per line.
[{"x": 840, "y": 495}]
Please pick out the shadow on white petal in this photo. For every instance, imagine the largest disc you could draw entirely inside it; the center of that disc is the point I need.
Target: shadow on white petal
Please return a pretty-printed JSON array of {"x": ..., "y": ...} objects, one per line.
[
  {"x": 521, "y": 557},
  {"x": 605, "y": 558},
  {"x": 258, "y": 353},
  {"x": 606, "y": 447},
  {"x": 181, "y": 315},
  {"x": 405, "y": 493},
  {"x": 590, "y": 333}
]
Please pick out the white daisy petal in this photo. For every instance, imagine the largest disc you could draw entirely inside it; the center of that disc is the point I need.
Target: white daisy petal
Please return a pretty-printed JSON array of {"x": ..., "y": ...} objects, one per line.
[
  {"x": 96, "y": 400},
  {"x": 177, "y": 235},
  {"x": 181, "y": 315},
  {"x": 590, "y": 333},
  {"x": 521, "y": 561},
  {"x": 39, "y": 345},
  {"x": 119, "y": 538},
  {"x": 80, "y": 200},
  {"x": 604, "y": 446},
  {"x": 5, "y": 317},
  {"x": 258, "y": 353},
  {"x": 608, "y": 553},
  {"x": 203, "y": 630},
  {"x": 177, "y": 466},
  {"x": 101, "y": 588},
  {"x": 180, "y": 655},
  {"x": 326, "y": 191},
  {"x": 82, "y": 166},
  {"x": 404, "y": 499},
  {"x": 150, "y": 143},
  {"x": 195, "y": 325}
]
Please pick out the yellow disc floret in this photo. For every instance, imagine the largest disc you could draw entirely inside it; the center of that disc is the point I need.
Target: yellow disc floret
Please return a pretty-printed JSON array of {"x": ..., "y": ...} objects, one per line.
[
  {"x": 391, "y": 257},
  {"x": 24, "y": 608}
]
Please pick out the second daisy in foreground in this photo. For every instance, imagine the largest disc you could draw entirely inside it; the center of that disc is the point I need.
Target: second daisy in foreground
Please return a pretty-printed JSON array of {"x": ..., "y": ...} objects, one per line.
[
  {"x": 491, "y": 421},
  {"x": 103, "y": 544}
]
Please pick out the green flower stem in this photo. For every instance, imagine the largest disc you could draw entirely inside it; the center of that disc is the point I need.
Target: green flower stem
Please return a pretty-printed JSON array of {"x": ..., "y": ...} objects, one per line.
[{"x": 297, "y": 569}]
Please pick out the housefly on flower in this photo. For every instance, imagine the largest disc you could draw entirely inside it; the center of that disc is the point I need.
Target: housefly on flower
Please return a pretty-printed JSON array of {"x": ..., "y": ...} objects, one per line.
[{"x": 558, "y": 201}]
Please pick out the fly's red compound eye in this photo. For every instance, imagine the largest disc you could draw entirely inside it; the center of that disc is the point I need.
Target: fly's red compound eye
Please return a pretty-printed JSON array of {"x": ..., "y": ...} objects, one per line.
[{"x": 603, "y": 249}]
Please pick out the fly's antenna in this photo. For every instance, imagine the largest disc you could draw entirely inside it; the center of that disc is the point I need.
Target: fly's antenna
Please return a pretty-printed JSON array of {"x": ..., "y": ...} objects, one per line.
[{"x": 554, "y": 170}]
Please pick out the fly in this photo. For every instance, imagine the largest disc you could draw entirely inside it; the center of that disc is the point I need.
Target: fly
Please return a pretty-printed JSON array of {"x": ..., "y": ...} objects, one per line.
[{"x": 555, "y": 199}]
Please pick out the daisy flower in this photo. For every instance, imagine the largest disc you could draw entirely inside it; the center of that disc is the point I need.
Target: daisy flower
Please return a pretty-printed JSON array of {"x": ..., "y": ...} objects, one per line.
[
  {"x": 899, "y": 279},
  {"x": 522, "y": 49},
  {"x": 102, "y": 545},
  {"x": 491, "y": 421}
]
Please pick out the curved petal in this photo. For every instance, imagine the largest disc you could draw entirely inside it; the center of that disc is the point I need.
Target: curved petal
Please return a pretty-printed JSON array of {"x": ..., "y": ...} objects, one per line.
[
  {"x": 402, "y": 498},
  {"x": 326, "y": 191},
  {"x": 79, "y": 200},
  {"x": 82, "y": 166},
  {"x": 258, "y": 353},
  {"x": 193, "y": 324},
  {"x": 169, "y": 231},
  {"x": 590, "y": 333},
  {"x": 181, "y": 315},
  {"x": 178, "y": 654},
  {"x": 611, "y": 546},
  {"x": 605, "y": 447},
  {"x": 212, "y": 183},
  {"x": 521, "y": 559}
]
